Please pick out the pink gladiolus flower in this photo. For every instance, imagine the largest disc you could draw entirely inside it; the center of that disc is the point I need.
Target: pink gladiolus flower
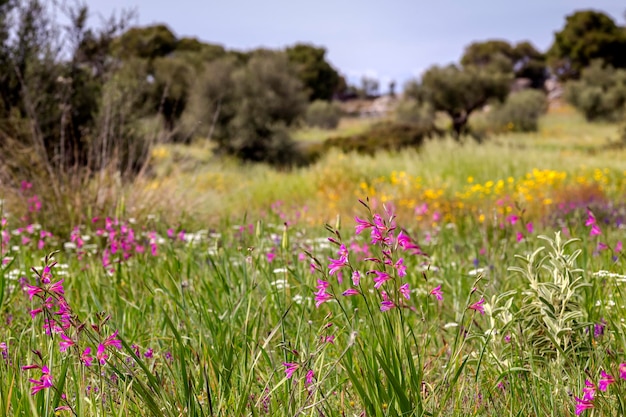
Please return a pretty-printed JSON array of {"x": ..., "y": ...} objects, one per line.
[
  {"x": 618, "y": 246},
  {"x": 403, "y": 239},
  {"x": 270, "y": 256},
  {"x": 350, "y": 292},
  {"x": 309, "y": 377},
  {"x": 605, "y": 381},
  {"x": 512, "y": 219},
  {"x": 322, "y": 285},
  {"x": 602, "y": 246},
  {"x": 361, "y": 225},
  {"x": 595, "y": 230},
  {"x": 582, "y": 405},
  {"x": 336, "y": 264},
  {"x": 43, "y": 383},
  {"x": 405, "y": 291},
  {"x": 519, "y": 237},
  {"x": 386, "y": 305},
  {"x": 57, "y": 288},
  {"x": 290, "y": 368},
  {"x": 400, "y": 267},
  {"x": 589, "y": 391},
  {"x": 478, "y": 306},
  {"x": 86, "y": 357},
  {"x": 380, "y": 279},
  {"x": 113, "y": 341},
  {"x": 32, "y": 291},
  {"x": 356, "y": 278},
  {"x": 321, "y": 298},
  {"x": 437, "y": 292},
  {"x": 622, "y": 370},
  {"x": 101, "y": 354},
  {"x": 529, "y": 228},
  {"x": 65, "y": 343}
]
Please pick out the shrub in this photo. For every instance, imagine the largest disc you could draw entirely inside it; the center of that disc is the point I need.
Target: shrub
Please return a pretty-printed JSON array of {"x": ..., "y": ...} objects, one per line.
[
  {"x": 323, "y": 114},
  {"x": 600, "y": 94},
  {"x": 384, "y": 135},
  {"x": 411, "y": 112},
  {"x": 244, "y": 108},
  {"x": 520, "y": 112}
]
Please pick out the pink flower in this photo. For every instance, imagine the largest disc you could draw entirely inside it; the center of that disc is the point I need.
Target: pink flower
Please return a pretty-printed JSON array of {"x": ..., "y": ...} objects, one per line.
[
  {"x": 512, "y": 219},
  {"x": 405, "y": 291},
  {"x": 400, "y": 267},
  {"x": 437, "y": 292},
  {"x": 32, "y": 291},
  {"x": 478, "y": 306},
  {"x": 33, "y": 313},
  {"x": 101, "y": 354},
  {"x": 57, "y": 288},
  {"x": 361, "y": 225},
  {"x": 622, "y": 370},
  {"x": 341, "y": 262},
  {"x": 65, "y": 343},
  {"x": 86, "y": 357},
  {"x": 309, "y": 377},
  {"x": 605, "y": 381},
  {"x": 386, "y": 305},
  {"x": 529, "y": 227},
  {"x": 582, "y": 405},
  {"x": 350, "y": 292},
  {"x": 519, "y": 237},
  {"x": 595, "y": 230},
  {"x": 618, "y": 246},
  {"x": 322, "y": 285},
  {"x": 321, "y": 296},
  {"x": 589, "y": 391},
  {"x": 44, "y": 382},
  {"x": 404, "y": 241},
  {"x": 380, "y": 279},
  {"x": 290, "y": 368},
  {"x": 270, "y": 256},
  {"x": 113, "y": 341},
  {"x": 602, "y": 246},
  {"x": 356, "y": 278}
]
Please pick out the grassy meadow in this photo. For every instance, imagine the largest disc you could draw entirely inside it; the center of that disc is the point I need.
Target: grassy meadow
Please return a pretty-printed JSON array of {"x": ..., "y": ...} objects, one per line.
[{"x": 453, "y": 280}]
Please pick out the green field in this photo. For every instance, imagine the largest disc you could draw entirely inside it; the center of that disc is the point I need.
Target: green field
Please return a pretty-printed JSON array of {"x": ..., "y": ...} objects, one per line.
[{"x": 481, "y": 280}]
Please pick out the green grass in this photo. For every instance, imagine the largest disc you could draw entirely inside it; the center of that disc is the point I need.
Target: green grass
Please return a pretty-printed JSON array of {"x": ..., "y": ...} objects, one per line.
[{"x": 206, "y": 323}]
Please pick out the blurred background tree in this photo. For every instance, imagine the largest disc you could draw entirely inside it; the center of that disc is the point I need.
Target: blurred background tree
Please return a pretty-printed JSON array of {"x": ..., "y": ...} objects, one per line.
[
  {"x": 587, "y": 35},
  {"x": 522, "y": 59},
  {"x": 319, "y": 78},
  {"x": 600, "y": 93},
  {"x": 459, "y": 91}
]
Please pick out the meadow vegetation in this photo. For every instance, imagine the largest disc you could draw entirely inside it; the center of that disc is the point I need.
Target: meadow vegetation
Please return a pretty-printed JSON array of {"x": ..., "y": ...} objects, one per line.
[
  {"x": 480, "y": 279},
  {"x": 191, "y": 231}
]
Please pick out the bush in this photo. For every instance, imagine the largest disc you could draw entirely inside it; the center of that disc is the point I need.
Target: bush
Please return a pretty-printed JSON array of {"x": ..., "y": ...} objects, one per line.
[
  {"x": 383, "y": 136},
  {"x": 244, "y": 108},
  {"x": 411, "y": 112},
  {"x": 323, "y": 114},
  {"x": 600, "y": 94},
  {"x": 520, "y": 112}
]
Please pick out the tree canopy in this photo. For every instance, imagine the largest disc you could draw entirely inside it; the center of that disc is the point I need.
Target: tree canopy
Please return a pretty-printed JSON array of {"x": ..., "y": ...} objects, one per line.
[
  {"x": 521, "y": 59},
  {"x": 459, "y": 91},
  {"x": 319, "y": 78},
  {"x": 587, "y": 35}
]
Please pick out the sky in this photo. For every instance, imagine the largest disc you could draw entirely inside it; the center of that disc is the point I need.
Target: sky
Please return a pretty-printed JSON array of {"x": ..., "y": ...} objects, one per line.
[{"x": 395, "y": 40}]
